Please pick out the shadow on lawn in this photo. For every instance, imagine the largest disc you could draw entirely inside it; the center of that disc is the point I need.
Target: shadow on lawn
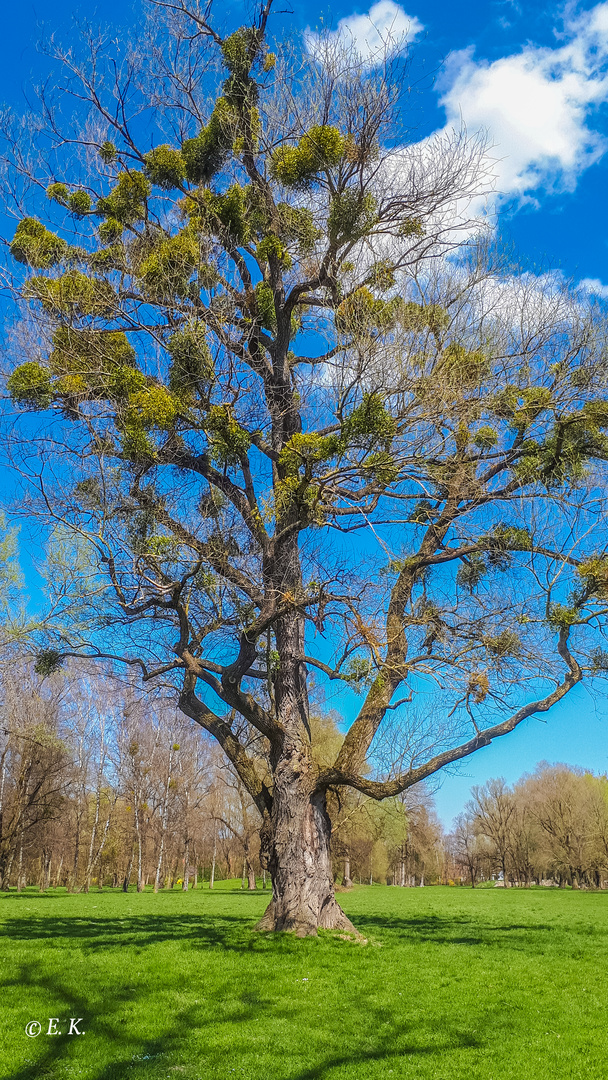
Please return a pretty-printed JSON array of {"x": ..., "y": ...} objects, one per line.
[
  {"x": 389, "y": 1054},
  {"x": 234, "y": 932},
  {"x": 230, "y": 932},
  {"x": 454, "y": 930},
  {"x": 138, "y": 1056},
  {"x": 138, "y": 1053}
]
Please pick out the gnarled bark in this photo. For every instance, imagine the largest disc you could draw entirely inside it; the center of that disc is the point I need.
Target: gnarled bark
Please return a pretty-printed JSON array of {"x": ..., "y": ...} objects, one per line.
[{"x": 296, "y": 850}]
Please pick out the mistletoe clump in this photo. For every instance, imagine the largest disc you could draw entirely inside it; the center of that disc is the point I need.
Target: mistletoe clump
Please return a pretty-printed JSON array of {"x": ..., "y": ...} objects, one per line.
[
  {"x": 228, "y": 441},
  {"x": 306, "y": 450},
  {"x": 57, "y": 192},
  {"x": 95, "y": 362},
  {"x": 594, "y": 574},
  {"x": 297, "y": 166},
  {"x": 266, "y": 311},
  {"x": 110, "y": 230},
  {"x": 108, "y": 152},
  {"x": 270, "y": 247},
  {"x": 351, "y": 216},
  {"x": 361, "y": 313},
  {"x": 153, "y": 407},
  {"x": 420, "y": 317},
  {"x": 165, "y": 167},
  {"x": 471, "y": 571},
  {"x": 36, "y": 246},
  {"x": 463, "y": 366},
  {"x": 82, "y": 363},
  {"x": 369, "y": 423},
  {"x": 87, "y": 350},
  {"x": 205, "y": 154},
  {"x": 239, "y": 52},
  {"x": 168, "y": 269},
  {"x": 191, "y": 361},
  {"x": 79, "y": 203},
  {"x": 485, "y": 438},
  {"x": 73, "y": 294},
  {"x": 30, "y": 385},
  {"x": 228, "y": 214},
  {"x": 127, "y": 202},
  {"x": 48, "y": 662},
  {"x": 297, "y": 224}
]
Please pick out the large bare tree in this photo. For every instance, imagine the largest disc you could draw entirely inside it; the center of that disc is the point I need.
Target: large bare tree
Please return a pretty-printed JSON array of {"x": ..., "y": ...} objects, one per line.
[{"x": 286, "y": 422}]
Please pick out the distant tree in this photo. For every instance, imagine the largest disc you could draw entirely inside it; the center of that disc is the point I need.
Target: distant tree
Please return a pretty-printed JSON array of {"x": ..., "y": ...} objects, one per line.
[
  {"x": 493, "y": 810},
  {"x": 561, "y": 801},
  {"x": 35, "y": 766},
  {"x": 469, "y": 848},
  {"x": 284, "y": 432}
]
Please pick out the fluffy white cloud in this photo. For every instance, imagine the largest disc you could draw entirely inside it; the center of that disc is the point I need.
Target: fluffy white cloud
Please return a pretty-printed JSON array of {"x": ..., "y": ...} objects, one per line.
[
  {"x": 536, "y": 105},
  {"x": 385, "y": 25}
]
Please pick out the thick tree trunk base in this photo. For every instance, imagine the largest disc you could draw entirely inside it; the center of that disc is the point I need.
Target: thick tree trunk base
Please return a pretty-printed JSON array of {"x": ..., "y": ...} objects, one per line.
[
  {"x": 303, "y": 919},
  {"x": 295, "y": 845}
]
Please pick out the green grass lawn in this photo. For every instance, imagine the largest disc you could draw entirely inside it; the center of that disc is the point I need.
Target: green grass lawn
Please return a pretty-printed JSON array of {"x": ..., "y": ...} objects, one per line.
[{"x": 452, "y": 984}]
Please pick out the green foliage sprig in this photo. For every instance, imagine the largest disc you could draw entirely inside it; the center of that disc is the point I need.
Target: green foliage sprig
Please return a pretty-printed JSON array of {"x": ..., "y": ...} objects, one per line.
[{"x": 297, "y": 166}]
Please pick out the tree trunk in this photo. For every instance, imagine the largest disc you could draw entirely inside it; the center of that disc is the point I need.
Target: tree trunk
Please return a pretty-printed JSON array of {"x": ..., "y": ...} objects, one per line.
[
  {"x": 251, "y": 882},
  {"x": 140, "y": 884},
  {"x": 163, "y": 823},
  {"x": 296, "y": 850},
  {"x": 7, "y": 868},
  {"x": 346, "y": 880},
  {"x": 73, "y": 878},
  {"x": 212, "y": 876},
  {"x": 186, "y": 881},
  {"x": 20, "y": 863},
  {"x": 127, "y": 878},
  {"x": 58, "y": 873},
  {"x": 45, "y": 872}
]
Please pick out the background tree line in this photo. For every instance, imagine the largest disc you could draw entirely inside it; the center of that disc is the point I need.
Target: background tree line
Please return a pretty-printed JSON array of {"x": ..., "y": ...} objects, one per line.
[
  {"x": 103, "y": 785},
  {"x": 550, "y": 827}
]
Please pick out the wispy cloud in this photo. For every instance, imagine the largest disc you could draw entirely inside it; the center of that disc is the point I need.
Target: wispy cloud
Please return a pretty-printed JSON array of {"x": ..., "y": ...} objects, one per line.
[{"x": 372, "y": 35}]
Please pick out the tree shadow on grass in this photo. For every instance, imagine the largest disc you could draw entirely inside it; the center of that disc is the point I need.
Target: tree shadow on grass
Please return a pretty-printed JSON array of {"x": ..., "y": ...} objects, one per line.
[
  {"x": 139, "y": 1056},
  {"x": 99, "y": 933},
  {"x": 106, "y": 1025},
  {"x": 456, "y": 930},
  {"x": 389, "y": 1055}
]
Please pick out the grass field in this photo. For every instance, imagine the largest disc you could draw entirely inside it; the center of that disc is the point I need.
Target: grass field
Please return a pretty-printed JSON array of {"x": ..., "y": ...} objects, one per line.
[{"x": 452, "y": 984}]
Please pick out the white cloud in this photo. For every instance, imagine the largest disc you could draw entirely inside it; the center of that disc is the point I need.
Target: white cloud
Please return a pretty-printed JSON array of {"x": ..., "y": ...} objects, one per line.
[
  {"x": 385, "y": 26},
  {"x": 536, "y": 105},
  {"x": 595, "y": 287}
]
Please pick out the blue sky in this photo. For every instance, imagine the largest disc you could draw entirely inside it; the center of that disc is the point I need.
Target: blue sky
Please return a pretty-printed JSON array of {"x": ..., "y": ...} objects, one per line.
[{"x": 535, "y": 77}]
